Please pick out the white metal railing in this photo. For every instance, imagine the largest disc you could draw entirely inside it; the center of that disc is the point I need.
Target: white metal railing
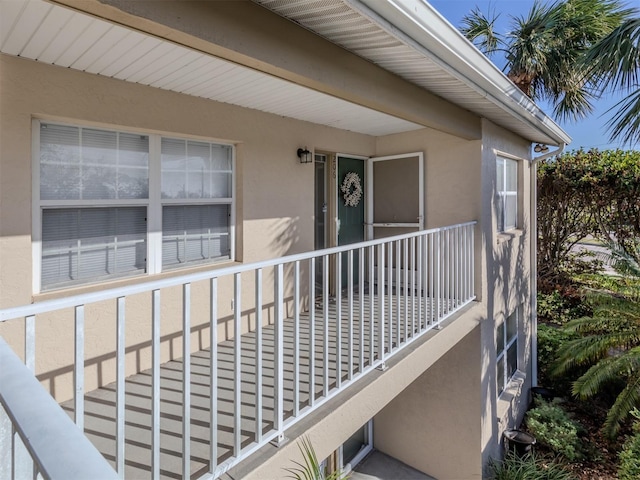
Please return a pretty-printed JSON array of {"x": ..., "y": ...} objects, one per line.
[
  {"x": 37, "y": 437},
  {"x": 393, "y": 290}
]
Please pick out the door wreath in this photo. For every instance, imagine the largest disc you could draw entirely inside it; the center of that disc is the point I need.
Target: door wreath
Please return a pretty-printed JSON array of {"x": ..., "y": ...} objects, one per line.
[{"x": 351, "y": 189}]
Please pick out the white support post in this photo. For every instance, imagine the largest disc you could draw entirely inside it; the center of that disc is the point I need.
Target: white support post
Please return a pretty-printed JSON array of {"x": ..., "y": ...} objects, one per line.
[
  {"x": 213, "y": 374},
  {"x": 338, "y": 319},
  {"x": 296, "y": 338},
  {"x": 278, "y": 421},
  {"x": 186, "y": 380},
  {"x": 259, "y": 354},
  {"x": 350, "y": 315},
  {"x": 120, "y": 386},
  {"x": 237, "y": 364},
  {"x": 78, "y": 368},
  {"x": 30, "y": 342},
  {"x": 381, "y": 310},
  {"x": 155, "y": 382},
  {"x": 312, "y": 331}
]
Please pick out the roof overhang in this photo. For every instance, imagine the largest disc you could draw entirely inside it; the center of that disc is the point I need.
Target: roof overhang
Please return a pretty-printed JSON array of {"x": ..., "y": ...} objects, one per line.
[
  {"x": 424, "y": 48},
  {"x": 412, "y": 41}
]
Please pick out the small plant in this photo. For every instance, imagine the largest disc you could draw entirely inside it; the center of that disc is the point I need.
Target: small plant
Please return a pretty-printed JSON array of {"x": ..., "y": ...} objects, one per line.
[
  {"x": 553, "y": 428},
  {"x": 310, "y": 468},
  {"x": 559, "y": 309},
  {"x": 528, "y": 467},
  {"x": 629, "y": 468},
  {"x": 550, "y": 340}
]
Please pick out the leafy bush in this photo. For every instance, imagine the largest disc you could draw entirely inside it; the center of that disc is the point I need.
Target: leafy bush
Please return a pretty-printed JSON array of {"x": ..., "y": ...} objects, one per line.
[
  {"x": 559, "y": 309},
  {"x": 629, "y": 468},
  {"x": 528, "y": 467},
  {"x": 550, "y": 340},
  {"x": 553, "y": 428},
  {"x": 583, "y": 193}
]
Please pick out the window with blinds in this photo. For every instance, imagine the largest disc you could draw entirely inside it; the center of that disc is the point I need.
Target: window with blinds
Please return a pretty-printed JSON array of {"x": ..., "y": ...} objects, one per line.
[
  {"x": 507, "y": 188},
  {"x": 198, "y": 173},
  {"x": 95, "y": 203},
  {"x": 507, "y": 349}
]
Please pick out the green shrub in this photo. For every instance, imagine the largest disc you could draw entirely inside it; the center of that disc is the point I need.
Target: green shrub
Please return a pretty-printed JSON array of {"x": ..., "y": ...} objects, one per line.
[
  {"x": 553, "y": 428},
  {"x": 559, "y": 309},
  {"x": 629, "y": 468},
  {"x": 528, "y": 467},
  {"x": 550, "y": 339}
]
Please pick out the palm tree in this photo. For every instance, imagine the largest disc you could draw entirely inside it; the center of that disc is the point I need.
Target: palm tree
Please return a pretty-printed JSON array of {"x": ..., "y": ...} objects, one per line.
[
  {"x": 616, "y": 59},
  {"x": 543, "y": 50},
  {"x": 310, "y": 468},
  {"x": 610, "y": 343}
]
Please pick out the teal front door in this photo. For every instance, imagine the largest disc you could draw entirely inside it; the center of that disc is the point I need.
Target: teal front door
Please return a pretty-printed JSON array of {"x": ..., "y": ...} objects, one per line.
[{"x": 351, "y": 208}]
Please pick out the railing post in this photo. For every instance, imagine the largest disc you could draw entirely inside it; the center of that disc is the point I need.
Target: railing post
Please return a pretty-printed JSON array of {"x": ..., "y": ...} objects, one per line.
[
  {"x": 259, "y": 354},
  {"x": 361, "y": 299},
  {"x": 213, "y": 374},
  {"x": 390, "y": 294},
  {"x": 155, "y": 382},
  {"x": 237, "y": 364},
  {"x": 296, "y": 339},
  {"x": 338, "y": 320},
  {"x": 120, "y": 386},
  {"x": 350, "y": 314},
  {"x": 186, "y": 380},
  {"x": 381, "y": 312},
  {"x": 371, "y": 304},
  {"x": 398, "y": 268},
  {"x": 438, "y": 278},
  {"x": 30, "y": 342},
  {"x": 78, "y": 368},
  {"x": 325, "y": 325},
  {"x": 312, "y": 331},
  {"x": 279, "y": 358}
]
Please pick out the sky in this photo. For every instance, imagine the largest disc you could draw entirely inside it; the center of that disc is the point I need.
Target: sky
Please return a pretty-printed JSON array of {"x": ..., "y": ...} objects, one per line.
[{"x": 587, "y": 133}]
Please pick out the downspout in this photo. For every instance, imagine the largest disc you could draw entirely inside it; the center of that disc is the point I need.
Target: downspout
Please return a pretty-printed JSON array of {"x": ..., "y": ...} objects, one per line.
[{"x": 534, "y": 260}]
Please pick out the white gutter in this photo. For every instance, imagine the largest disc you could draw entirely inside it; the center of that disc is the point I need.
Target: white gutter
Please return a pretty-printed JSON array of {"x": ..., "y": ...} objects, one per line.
[
  {"x": 420, "y": 26},
  {"x": 533, "y": 172}
]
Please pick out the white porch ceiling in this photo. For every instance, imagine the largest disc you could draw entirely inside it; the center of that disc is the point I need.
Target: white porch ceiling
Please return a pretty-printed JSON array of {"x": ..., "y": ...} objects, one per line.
[
  {"x": 53, "y": 34},
  {"x": 361, "y": 26}
]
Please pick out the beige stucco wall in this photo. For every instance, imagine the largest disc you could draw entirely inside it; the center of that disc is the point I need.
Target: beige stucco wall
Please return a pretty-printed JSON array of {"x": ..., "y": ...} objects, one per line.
[
  {"x": 508, "y": 287},
  {"x": 433, "y": 425},
  {"x": 274, "y": 200},
  {"x": 274, "y": 217},
  {"x": 274, "y": 209}
]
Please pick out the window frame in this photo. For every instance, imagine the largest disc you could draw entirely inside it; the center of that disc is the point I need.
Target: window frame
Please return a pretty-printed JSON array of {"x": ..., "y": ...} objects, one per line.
[
  {"x": 502, "y": 193},
  {"x": 503, "y": 352},
  {"x": 154, "y": 204}
]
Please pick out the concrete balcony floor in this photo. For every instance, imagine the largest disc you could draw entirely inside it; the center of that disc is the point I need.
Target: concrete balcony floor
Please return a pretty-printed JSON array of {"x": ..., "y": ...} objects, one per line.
[{"x": 100, "y": 405}]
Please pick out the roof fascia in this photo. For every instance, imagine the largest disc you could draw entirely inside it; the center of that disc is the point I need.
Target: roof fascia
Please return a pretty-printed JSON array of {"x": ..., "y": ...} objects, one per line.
[{"x": 420, "y": 26}]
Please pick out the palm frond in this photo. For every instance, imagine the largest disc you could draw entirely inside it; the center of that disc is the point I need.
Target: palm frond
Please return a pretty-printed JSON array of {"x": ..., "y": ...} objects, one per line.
[
  {"x": 480, "y": 29},
  {"x": 592, "y": 349},
  {"x": 604, "y": 372},
  {"x": 625, "y": 123},
  {"x": 310, "y": 468},
  {"x": 616, "y": 57},
  {"x": 626, "y": 401}
]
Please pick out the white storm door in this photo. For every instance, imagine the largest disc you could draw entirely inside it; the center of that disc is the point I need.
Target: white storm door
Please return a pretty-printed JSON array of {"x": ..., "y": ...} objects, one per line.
[{"x": 395, "y": 194}]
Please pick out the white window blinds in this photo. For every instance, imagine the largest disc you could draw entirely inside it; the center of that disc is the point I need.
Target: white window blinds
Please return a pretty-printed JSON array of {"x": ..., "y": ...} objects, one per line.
[
  {"x": 95, "y": 199},
  {"x": 80, "y": 244},
  {"x": 87, "y": 164}
]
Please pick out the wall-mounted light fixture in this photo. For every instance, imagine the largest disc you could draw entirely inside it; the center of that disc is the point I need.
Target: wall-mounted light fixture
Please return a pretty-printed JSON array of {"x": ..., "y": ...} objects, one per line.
[
  {"x": 540, "y": 148},
  {"x": 304, "y": 155}
]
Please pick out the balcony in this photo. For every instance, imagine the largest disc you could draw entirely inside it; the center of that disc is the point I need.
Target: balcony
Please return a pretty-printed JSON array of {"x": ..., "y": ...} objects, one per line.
[{"x": 312, "y": 325}]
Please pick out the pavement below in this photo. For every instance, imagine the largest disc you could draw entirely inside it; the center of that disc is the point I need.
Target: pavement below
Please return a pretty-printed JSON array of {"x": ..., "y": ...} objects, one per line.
[{"x": 378, "y": 466}]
